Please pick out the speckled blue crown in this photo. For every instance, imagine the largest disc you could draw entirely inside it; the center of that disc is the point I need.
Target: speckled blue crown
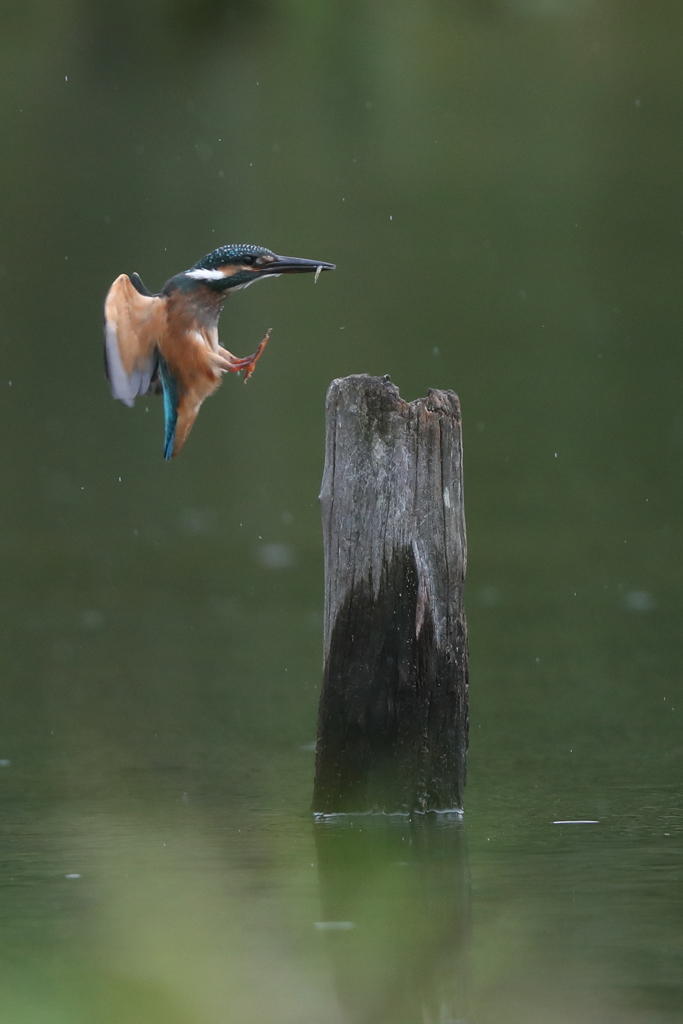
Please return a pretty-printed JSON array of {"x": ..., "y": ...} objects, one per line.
[{"x": 230, "y": 254}]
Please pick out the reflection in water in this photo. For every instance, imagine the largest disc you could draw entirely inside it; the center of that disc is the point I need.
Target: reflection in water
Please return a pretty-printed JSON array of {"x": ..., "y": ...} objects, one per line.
[{"x": 396, "y": 908}]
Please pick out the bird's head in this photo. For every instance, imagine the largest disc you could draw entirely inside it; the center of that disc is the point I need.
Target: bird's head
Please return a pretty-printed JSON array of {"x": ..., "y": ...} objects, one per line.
[{"x": 235, "y": 266}]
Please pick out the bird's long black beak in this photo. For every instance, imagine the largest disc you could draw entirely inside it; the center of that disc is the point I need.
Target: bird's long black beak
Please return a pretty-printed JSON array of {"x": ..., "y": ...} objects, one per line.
[{"x": 293, "y": 265}]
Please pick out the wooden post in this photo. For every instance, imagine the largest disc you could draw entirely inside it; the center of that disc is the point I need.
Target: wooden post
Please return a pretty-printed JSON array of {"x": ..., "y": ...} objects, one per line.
[{"x": 392, "y": 727}]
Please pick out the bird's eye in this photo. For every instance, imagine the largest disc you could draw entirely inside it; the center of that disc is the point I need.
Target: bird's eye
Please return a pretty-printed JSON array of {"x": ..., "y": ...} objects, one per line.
[{"x": 248, "y": 260}]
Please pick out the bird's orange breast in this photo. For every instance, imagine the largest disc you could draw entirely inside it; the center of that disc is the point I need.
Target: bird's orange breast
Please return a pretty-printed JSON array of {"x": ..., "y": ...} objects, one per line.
[{"x": 188, "y": 348}]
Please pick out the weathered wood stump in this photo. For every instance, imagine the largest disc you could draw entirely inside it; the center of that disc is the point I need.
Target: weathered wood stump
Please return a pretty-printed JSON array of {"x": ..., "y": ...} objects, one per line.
[{"x": 392, "y": 727}]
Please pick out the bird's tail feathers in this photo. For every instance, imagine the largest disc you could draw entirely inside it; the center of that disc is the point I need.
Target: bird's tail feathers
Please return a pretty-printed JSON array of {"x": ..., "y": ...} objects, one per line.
[{"x": 171, "y": 397}]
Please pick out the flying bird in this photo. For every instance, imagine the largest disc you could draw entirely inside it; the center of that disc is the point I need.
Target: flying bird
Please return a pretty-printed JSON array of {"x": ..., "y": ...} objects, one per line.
[{"x": 168, "y": 342}]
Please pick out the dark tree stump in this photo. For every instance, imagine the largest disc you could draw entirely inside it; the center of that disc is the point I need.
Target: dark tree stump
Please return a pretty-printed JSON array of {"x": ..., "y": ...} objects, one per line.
[{"x": 392, "y": 727}]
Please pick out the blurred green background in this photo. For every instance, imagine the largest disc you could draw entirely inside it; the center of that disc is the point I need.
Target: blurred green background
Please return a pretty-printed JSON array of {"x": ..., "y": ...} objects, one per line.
[{"x": 499, "y": 183}]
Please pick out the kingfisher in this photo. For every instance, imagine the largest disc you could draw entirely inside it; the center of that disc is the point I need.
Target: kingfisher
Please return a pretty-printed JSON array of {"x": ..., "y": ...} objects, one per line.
[{"x": 168, "y": 342}]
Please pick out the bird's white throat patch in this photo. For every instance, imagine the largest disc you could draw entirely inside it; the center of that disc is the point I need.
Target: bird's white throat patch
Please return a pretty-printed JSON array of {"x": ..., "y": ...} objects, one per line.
[{"x": 205, "y": 275}]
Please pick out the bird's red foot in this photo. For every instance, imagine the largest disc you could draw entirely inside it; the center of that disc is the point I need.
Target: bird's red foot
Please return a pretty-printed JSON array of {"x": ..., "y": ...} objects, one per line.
[
  {"x": 248, "y": 363},
  {"x": 253, "y": 360}
]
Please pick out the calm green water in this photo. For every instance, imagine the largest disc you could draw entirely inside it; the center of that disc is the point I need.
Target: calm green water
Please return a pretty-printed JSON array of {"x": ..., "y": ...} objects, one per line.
[{"x": 499, "y": 182}]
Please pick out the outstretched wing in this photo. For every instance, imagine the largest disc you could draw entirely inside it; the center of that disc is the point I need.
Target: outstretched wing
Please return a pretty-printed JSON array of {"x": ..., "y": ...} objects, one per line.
[{"x": 133, "y": 325}]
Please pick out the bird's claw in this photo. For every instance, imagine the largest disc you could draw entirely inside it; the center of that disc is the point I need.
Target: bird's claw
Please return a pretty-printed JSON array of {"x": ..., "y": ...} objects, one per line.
[
  {"x": 256, "y": 356},
  {"x": 248, "y": 363}
]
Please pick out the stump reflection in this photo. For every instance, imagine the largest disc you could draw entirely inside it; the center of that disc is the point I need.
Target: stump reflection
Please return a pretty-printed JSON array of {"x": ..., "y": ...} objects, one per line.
[{"x": 396, "y": 915}]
